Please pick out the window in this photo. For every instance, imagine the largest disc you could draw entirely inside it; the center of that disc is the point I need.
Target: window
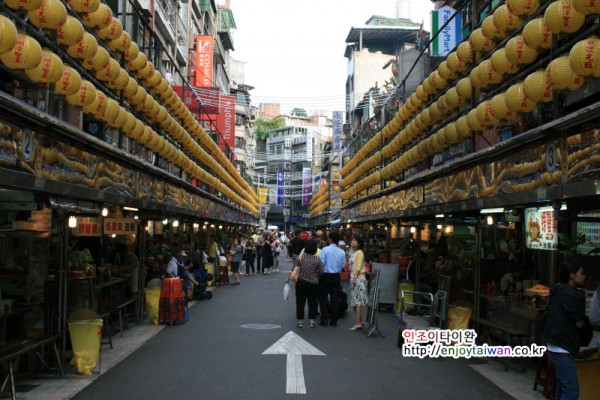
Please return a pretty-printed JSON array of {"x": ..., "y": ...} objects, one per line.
[{"x": 240, "y": 142}]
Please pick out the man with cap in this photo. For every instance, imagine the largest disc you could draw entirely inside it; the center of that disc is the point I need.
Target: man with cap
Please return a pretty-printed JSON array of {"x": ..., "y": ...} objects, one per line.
[{"x": 175, "y": 263}]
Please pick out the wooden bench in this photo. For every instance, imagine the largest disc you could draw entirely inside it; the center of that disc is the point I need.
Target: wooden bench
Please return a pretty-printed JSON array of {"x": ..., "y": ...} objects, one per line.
[
  {"x": 32, "y": 345},
  {"x": 121, "y": 306},
  {"x": 508, "y": 333}
]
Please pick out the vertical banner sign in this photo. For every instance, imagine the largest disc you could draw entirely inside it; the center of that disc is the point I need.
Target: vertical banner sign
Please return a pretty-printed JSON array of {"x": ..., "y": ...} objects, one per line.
[
  {"x": 542, "y": 229},
  {"x": 306, "y": 186},
  {"x": 450, "y": 35},
  {"x": 204, "y": 60},
  {"x": 263, "y": 193},
  {"x": 226, "y": 121},
  {"x": 279, "y": 187},
  {"x": 309, "y": 146},
  {"x": 338, "y": 122}
]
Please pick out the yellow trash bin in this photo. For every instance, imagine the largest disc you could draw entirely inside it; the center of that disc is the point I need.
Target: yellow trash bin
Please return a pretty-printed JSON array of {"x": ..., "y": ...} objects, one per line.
[
  {"x": 86, "y": 336},
  {"x": 588, "y": 370},
  {"x": 405, "y": 285},
  {"x": 459, "y": 314},
  {"x": 152, "y": 301},
  {"x": 210, "y": 267}
]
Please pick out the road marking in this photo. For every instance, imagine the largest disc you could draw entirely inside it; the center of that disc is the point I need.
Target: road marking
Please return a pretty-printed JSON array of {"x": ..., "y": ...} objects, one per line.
[
  {"x": 294, "y": 347},
  {"x": 260, "y": 326}
]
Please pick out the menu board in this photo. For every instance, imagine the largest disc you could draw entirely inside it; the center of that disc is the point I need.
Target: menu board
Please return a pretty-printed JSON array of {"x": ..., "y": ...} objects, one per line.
[
  {"x": 591, "y": 230},
  {"x": 87, "y": 226},
  {"x": 542, "y": 229}
]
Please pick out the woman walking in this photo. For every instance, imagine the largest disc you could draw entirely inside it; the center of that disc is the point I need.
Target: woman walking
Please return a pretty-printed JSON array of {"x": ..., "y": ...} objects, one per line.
[
  {"x": 307, "y": 287},
  {"x": 250, "y": 254},
  {"x": 359, "y": 297},
  {"x": 236, "y": 253},
  {"x": 267, "y": 255}
]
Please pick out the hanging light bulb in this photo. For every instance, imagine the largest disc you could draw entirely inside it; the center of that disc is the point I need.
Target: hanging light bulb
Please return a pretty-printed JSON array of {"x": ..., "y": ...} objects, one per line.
[
  {"x": 136, "y": 217},
  {"x": 413, "y": 229},
  {"x": 72, "y": 222},
  {"x": 165, "y": 221},
  {"x": 220, "y": 226},
  {"x": 440, "y": 226},
  {"x": 175, "y": 223},
  {"x": 490, "y": 220},
  {"x": 104, "y": 212}
]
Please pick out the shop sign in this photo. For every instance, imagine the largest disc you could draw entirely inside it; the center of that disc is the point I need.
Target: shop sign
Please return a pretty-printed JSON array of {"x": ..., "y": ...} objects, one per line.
[
  {"x": 87, "y": 226},
  {"x": 591, "y": 230},
  {"x": 450, "y": 35},
  {"x": 41, "y": 221},
  {"x": 119, "y": 226},
  {"x": 542, "y": 229},
  {"x": 204, "y": 60}
]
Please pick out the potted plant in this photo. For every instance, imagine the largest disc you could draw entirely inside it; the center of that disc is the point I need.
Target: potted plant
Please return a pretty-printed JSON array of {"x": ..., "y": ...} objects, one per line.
[
  {"x": 81, "y": 260},
  {"x": 466, "y": 260}
]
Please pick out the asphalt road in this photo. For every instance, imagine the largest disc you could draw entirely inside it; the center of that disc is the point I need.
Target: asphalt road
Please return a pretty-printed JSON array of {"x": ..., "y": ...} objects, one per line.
[{"x": 213, "y": 356}]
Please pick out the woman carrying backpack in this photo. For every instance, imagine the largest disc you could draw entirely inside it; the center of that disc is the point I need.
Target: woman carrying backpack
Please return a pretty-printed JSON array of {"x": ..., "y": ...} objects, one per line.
[{"x": 359, "y": 297}]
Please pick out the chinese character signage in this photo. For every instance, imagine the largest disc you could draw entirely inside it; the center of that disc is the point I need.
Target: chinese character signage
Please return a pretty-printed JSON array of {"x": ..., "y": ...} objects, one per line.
[
  {"x": 87, "y": 226},
  {"x": 449, "y": 36},
  {"x": 262, "y": 195},
  {"x": 306, "y": 186},
  {"x": 542, "y": 229},
  {"x": 120, "y": 226},
  {"x": 338, "y": 122},
  {"x": 279, "y": 187},
  {"x": 204, "y": 60}
]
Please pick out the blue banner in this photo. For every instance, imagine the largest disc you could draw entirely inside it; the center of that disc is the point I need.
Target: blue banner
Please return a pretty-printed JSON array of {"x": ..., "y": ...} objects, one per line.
[{"x": 279, "y": 187}]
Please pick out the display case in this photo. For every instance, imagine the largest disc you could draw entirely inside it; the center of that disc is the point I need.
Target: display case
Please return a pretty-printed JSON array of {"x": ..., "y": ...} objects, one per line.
[{"x": 23, "y": 265}]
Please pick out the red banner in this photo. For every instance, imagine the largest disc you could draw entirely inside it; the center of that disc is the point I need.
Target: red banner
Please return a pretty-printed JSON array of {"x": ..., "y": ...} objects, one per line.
[{"x": 204, "y": 60}]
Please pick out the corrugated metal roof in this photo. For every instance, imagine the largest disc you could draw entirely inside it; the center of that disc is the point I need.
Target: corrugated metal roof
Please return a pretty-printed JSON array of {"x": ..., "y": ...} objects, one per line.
[
  {"x": 377, "y": 33},
  {"x": 226, "y": 21}
]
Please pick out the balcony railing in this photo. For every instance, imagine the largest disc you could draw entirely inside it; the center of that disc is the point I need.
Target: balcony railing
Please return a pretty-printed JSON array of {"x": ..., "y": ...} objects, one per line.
[{"x": 168, "y": 13}]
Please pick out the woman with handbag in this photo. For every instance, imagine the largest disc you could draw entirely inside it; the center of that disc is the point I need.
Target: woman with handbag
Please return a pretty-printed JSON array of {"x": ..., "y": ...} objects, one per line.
[
  {"x": 360, "y": 295},
  {"x": 306, "y": 273},
  {"x": 267, "y": 255}
]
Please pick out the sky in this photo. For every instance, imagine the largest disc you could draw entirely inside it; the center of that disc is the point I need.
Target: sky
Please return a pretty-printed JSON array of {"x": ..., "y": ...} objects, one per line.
[{"x": 293, "y": 50}]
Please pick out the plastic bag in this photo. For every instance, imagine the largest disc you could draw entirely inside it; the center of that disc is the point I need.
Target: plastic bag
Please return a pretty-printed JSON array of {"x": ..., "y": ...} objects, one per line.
[{"x": 286, "y": 291}]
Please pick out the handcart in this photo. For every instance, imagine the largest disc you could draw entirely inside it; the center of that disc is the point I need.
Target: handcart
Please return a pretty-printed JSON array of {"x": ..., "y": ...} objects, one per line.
[
  {"x": 202, "y": 276},
  {"x": 423, "y": 310}
]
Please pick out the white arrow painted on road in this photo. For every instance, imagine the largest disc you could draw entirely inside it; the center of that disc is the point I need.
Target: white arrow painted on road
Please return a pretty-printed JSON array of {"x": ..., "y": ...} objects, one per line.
[{"x": 295, "y": 347}]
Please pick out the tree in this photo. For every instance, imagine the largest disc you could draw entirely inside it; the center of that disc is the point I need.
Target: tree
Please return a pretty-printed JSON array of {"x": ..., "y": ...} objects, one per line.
[
  {"x": 263, "y": 126},
  {"x": 299, "y": 112}
]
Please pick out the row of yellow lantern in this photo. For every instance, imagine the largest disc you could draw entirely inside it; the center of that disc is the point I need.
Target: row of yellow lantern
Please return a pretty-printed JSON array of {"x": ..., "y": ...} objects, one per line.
[
  {"x": 368, "y": 148},
  {"x": 320, "y": 196},
  {"x": 520, "y": 97},
  {"x": 361, "y": 185},
  {"x": 50, "y": 69},
  {"x": 320, "y": 208},
  {"x": 362, "y": 169}
]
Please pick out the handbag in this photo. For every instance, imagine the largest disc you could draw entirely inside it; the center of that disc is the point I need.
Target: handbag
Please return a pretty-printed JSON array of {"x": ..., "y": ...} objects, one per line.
[
  {"x": 229, "y": 258},
  {"x": 296, "y": 270}
]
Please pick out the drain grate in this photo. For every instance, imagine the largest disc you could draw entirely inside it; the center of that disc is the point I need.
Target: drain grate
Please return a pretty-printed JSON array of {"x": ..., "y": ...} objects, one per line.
[{"x": 260, "y": 326}]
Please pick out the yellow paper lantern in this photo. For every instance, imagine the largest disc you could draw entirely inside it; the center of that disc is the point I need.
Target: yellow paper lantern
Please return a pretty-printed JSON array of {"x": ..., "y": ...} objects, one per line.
[
  {"x": 100, "y": 18},
  {"x": 454, "y": 63},
  {"x": 487, "y": 74},
  {"x": 132, "y": 52},
  {"x": 49, "y": 70},
  {"x": 98, "y": 61},
  {"x": 85, "y": 48},
  {"x": 445, "y": 72},
  {"x": 484, "y": 114},
  {"x": 69, "y": 32},
  {"x": 112, "y": 31},
  {"x": 97, "y": 106},
  {"x": 129, "y": 124},
  {"x": 428, "y": 86},
  {"x": 425, "y": 117},
  {"x": 435, "y": 112},
  {"x": 131, "y": 88},
  {"x": 537, "y": 35},
  {"x": 49, "y": 15},
  {"x": 138, "y": 97},
  {"x": 576, "y": 82},
  {"x": 522, "y": 7},
  {"x": 84, "y": 6},
  {"x": 536, "y": 87},
  {"x": 518, "y": 52},
  {"x": 8, "y": 34},
  {"x": 489, "y": 29},
  {"x": 147, "y": 71},
  {"x": 443, "y": 105},
  {"x": 121, "y": 82},
  {"x": 421, "y": 93},
  {"x": 517, "y": 100},
  {"x": 561, "y": 16},
  {"x": 587, "y": 6},
  {"x": 154, "y": 79},
  {"x": 111, "y": 111},
  {"x": 120, "y": 120},
  {"x": 162, "y": 88},
  {"x": 69, "y": 82},
  {"x": 505, "y": 20},
  {"x": 499, "y": 108},
  {"x": 464, "y": 52},
  {"x": 450, "y": 134},
  {"x": 473, "y": 122},
  {"x": 474, "y": 78},
  {"x": 501, "y": 64},
  {"x": 85, "y": 95},
  {"x": 463, "y": 88},
  {"x": 559, "y": 73},
  {"x": 453, "y": 99},
  {"x": 120, "y": 44},
  {"x": 27, "y": 5},
  {"x": 479, "y": 42},
  {"x": 138, "y": 129},
  {"x": 138, "y": 63},
  {"x": 25, "y": 54},
  {"x": 462, "y": 129},
  {"x": 437, "y": 81},
  {"x": 584, "y": 57},
  {"x": 110, "y": 72}
]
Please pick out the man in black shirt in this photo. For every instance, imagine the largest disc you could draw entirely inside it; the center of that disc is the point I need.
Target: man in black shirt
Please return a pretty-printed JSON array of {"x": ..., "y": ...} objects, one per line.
[{"x": 296, "y": 246}]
